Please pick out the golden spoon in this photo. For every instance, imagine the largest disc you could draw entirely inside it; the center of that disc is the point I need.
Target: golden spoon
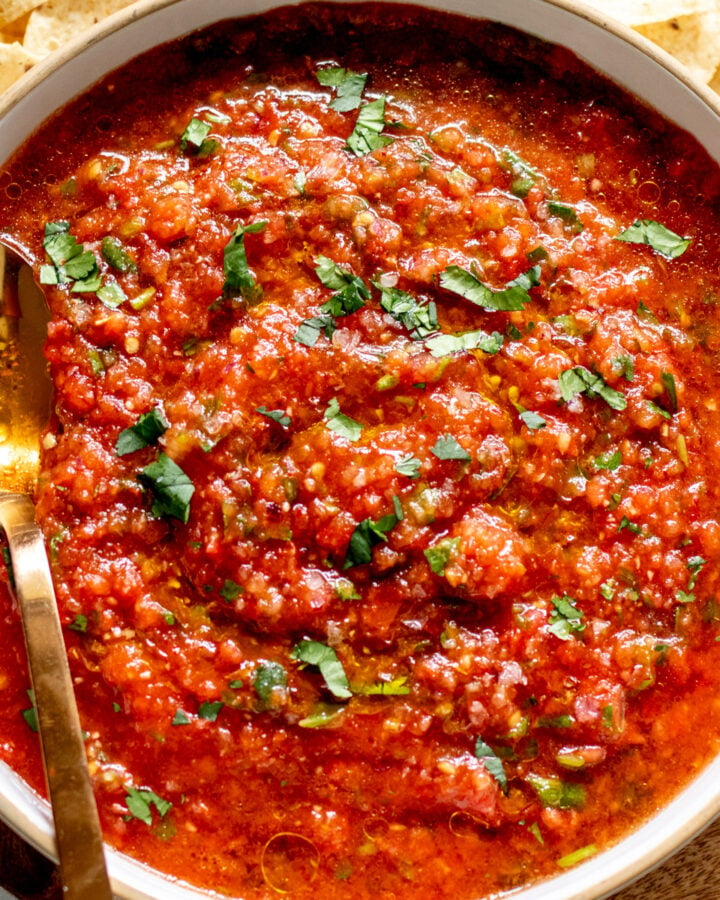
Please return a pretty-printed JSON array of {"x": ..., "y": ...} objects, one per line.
[{"x": 24, "y": 404}]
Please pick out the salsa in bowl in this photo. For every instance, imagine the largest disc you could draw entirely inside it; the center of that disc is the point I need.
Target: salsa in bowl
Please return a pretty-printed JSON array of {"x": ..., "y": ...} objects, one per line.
[{"x": 380, "y": 488}]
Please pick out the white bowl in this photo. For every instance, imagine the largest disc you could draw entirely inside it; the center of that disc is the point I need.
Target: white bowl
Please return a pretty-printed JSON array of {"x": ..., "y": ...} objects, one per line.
[{"x": 608, "y": 47}]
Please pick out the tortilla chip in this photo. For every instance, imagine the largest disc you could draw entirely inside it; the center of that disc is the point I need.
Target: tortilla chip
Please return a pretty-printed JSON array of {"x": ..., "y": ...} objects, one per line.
[
  {"x": 14, "y": 62},
  {"x": 643, "y": 12},
  {"x": 14, "y": 31},
  {"x": 51, "y": 25},
  {"x": 10, "y": 10},
  {"x": 692, "y": 40}
]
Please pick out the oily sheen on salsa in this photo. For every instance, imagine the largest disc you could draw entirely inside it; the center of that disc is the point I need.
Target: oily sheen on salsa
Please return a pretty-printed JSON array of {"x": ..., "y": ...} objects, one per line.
[{"x": 381, "y": 485}]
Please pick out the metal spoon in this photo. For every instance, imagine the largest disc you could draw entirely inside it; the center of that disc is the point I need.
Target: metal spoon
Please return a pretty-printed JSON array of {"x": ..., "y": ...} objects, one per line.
[{"x": 24, "y": 404}]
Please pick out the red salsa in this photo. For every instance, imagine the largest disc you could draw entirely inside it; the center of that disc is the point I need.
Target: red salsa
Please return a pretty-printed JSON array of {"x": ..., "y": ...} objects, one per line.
[{"x": 381, "y": 487}]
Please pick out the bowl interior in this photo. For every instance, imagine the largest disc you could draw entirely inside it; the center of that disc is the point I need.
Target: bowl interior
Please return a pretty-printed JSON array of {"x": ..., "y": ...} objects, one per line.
[{"x": 610, "y": 48}]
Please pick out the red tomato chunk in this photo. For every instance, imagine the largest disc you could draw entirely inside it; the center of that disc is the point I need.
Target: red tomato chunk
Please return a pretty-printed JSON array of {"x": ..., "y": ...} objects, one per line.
[{"x": 381, "y": 488}]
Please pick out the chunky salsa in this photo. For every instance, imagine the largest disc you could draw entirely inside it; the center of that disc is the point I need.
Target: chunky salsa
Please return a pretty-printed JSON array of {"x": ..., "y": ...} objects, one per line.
[{"x": 381, "y": 486}]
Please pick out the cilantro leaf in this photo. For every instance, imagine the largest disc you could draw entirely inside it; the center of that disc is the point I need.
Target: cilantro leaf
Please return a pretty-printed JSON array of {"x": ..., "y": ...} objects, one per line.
[
  {"x": 195, "y": 138},
  {"x": 567, "y": 213},
  {"x": 140, "y": 801},
  {"x": 439, "y": 555},
  {"x": 180, "y": 718},
  {"x": 351, "y": 291},
  {"x": 313, "y": 653},
  {"x": 532, "y": 420},
  {"x": 445, "y": 344},
  {"x": 409, "y": 465},
  {"x": 277, "y": 415},
  {"x": 171, "y": 488},
  {"x": 609, "y": 461},
  {"x": 565, "y": 619},
  {"x": 209, "y": 710},
  {"x": 231, "y": 590},
  {"x": 348, "y": 85},
  {"x": 367, "y": 134},
  {"x": 523, "y": 174},
  {"x": 70, "y": 261},
  {"x": 238, "y": 277},
  {"x": 368, "y": 534},
  {"x": 79, "y": 624},
  {"x": 309, "y": 330},
  {"x": 268, "y": 677},
  {"x": 149, "y": 427},
  {"x": 655, "y": 235},
  {"x": 580, "y": 380},
  {"x": 492, "y": 762},
  {"x": 668, "y": 379},
  {"x": 340, "y": 423},
  {"x": 512, "y": 297},
  {"x": 447, "y": 447},
  {"x": 419, "y": 319}
]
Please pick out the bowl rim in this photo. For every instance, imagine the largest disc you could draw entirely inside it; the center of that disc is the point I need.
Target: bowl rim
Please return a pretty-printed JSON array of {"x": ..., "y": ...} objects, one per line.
[{"x": 696, "y": 805}]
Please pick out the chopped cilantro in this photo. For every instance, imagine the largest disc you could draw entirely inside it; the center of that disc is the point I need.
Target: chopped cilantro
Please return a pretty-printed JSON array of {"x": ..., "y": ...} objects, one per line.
[
  {"x": 580, "y": 380},
  {"x": 409, "y": 465},
  {"x": 30, "y": 715},
  {"x": 146, "y": 431},
  {"x": 111, "y": 294},
  {"x": 195, "y": 138},
  {"x": 445, "y": 344},
  {"x": 625, "y": 523},
  {"x": 348, "y": 86},
  {"x": 70, "y": 261},
  {"x": 180, "y": 718},
  {"x": 492, "y": 762},
  {"x": 653, "y": 407},
  {"x": 79, "y": 624},
  {"x": 340, "y": 423},
  {"x": 439, "y": 555},
  {"x": 309, "y": 330},
  {"x": 532, "y": 420},
  {"x": 268, "y": 677},
  {"x": 367, "y": 134},
  {"x": 238, "y": 277},
  {"x": 624, "y": 366},
  {"x": 323, "y": 714},
  {"x": 140, "y": 802},
  {"x": 523, "y": 175},
  {"x": 419, "y": 319},
  {"x": 512, "y": 297},
  {"x": 230, "y": 590},
  {"x": 277, "y": 415},
  {"x": 313, "y": 653},
  {"x": 668, "y": 380},
  {"x": 351, "y": 291},
  {"x": 607, "y": 589},
  {"x": 565, "y": 619},
  {"x": 566, "y": 213},
  {"x": 368, "y": 534},
  {"x": 447, "y": 447},
  {"x": 655, "y": 235},
  {"x": 609, "y": 461},
  {"x": 171, "y": 488},
  {"x": 209, "y": 710},
  {"x": 694, "y": 564}
]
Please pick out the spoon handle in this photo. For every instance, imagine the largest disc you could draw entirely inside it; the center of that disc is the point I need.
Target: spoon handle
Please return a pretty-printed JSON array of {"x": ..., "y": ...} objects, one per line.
[{"x": 77, "y": 825}]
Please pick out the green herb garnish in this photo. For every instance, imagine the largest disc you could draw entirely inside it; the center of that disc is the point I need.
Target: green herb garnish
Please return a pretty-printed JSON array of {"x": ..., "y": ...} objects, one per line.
[
  {"x": 655, "y": 235},
  {"x": 556, "y": 793},
  {"x": 368, "y": 534},
  {"x": 445, "y": 344},
  {"x": 367, "y": 134},
  {"x": 146, "y": 431},
  {"x": 238, "y": 277},
  {"x": 492, "y": 762},
  {"x": 419, "y": 319},
  {"x": 580, "y": 380},
  {"x": 348, "y": 86},
  {"x": 565, "y": 619},
  {"x": 439, "y": 555},
  {"x": 277, "y": 415},
  {"x": 447, "y": 447},
  {"x": 195, "y": 138},
  {"x": 140, "y": 802},
  {"x": 209, "y": 710},
  {"x": 512, "y": 297},
  {"x": 171, "y": 488},
  {"x": 313, "y": 653},
  {"x": 268, "y": 677},
  {"x": 609, "y": 461},
  {"x": 532, "y": 420},
  {"x": 409, "y": 465},
  {"x": 340, "y": 423}
]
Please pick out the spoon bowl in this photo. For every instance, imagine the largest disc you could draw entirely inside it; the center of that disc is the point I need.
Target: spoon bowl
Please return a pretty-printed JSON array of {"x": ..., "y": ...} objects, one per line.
[{"x": 24, "y": 406}]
